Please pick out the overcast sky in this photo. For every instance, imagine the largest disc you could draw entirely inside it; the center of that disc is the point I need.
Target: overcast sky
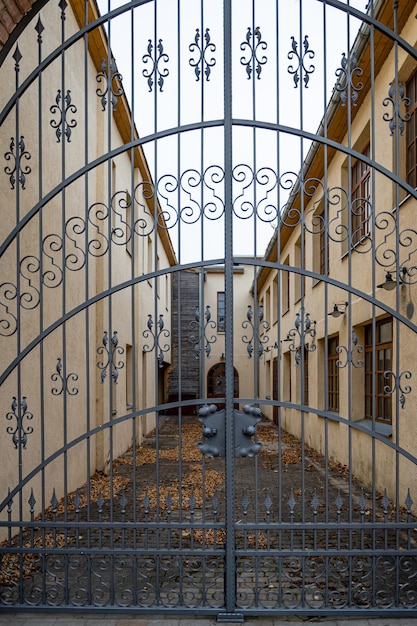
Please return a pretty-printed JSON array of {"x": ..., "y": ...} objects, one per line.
[{"x": 273, "y": 97}]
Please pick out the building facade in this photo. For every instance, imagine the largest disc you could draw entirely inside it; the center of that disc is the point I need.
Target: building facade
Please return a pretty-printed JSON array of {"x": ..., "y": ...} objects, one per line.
[
  {"x": 342, "y": 295},
  {"x": 82, "y": 244}
]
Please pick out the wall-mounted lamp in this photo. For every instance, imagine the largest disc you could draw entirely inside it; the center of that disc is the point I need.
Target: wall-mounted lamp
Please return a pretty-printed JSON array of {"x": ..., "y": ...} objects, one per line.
[
  {"x": 406, "y": 276},
  {"x": 389, "y": 283},
  {"x": 339, "y": 309}
]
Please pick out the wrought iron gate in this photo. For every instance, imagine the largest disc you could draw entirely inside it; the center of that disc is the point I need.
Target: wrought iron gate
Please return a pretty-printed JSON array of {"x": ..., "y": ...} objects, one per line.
[{"x": 208, "y": 268}]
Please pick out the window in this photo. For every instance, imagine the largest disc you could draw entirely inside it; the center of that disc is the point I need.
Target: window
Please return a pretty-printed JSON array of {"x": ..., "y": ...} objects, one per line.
[
  {"x": 333, "y": 374},
  {"x": 324, "y": 249},
  {"x": 361, "y": 199},
  {"x": 378, "y": 360},
  {"x": 221, "y": 313},
  {"x": 411, "y": 92},
  {"x": 286, "y": 378},
  {"x": 275, "y": 300},
  {"x": 305, "y": 399},
  {"x": 298, "y": 278},
  {"x": 129, "y": 224},
  {"x": 149, "y": 260},
  {"x": 129, "y": 377},
  {"x": 320, "y": 246},
  {"x": 285, "y": 287}
]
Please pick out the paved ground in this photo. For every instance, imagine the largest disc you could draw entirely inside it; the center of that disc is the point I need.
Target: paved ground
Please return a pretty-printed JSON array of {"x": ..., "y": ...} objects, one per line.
[
  {"x": 267, "y": 465},
  {"x": 50, "y": 619}
]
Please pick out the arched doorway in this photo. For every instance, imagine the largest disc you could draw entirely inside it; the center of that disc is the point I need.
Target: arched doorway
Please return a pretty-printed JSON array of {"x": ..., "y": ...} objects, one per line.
[{"x": 216, "y": 382}]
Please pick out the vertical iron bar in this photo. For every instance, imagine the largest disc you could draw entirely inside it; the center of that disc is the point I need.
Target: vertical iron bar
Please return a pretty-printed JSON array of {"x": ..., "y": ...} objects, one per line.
[
  {"x": 64, "y": 297},
  {"x": 230, "y": 577},
  {"x": 41, "y": 318},
  {"x": 135, "y": 315},
  {"x": 88, "y": 381}
]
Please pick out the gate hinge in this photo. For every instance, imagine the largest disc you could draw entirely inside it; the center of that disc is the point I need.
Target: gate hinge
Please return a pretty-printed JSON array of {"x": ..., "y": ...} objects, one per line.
[{"x": 214, "y": 424}]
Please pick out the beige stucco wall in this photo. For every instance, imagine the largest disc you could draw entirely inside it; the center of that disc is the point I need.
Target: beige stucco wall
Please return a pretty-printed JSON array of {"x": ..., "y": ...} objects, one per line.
[
  {"x": 354, "y": 275},
  {"x": 74, "y": 247}
]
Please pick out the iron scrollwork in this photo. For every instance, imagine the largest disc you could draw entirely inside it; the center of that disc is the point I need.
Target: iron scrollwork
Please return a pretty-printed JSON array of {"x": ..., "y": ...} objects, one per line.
[
  {"x": 257, "y": 340},
  {"x": 351, "y": 354},
  {"x": 156, "y": 335},
  {"x": 202, "y": 338},
  {"x": 112, "y": 84},
  {"x": 301, "y": 71},
  {"x": 396, "y": 98},
  {"x": 394, "y": 383},
  {"x": 254, "y": 44},
  {"x": 155, "y": 70},
  {"x": 203, "y": 51},
  {"x": 58, "y": 375},
  {"x": 304, "y": 328},
  {"x": 19, "y": 412},
  {"x": 111, "y": 351},
  {"x": 63, "y": 125},
  {"x": 8, "y": 321},
  {"x": 17, "y": 173},
  {"x": 346, "y": 75}
]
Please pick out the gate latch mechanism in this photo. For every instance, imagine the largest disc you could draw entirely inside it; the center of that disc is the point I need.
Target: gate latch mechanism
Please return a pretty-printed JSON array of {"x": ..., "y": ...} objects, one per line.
[{"x": 214, "y": 423}]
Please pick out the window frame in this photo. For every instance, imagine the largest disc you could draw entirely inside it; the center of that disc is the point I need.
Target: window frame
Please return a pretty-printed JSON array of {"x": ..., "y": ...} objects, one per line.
[
  {"x": 221, "y": 312},
  {"x": 333, "y": 383},
  {"x": 374, "y": 346},
  {"x": 411, "y": 131},
  {"x": 360, "y": 198}
]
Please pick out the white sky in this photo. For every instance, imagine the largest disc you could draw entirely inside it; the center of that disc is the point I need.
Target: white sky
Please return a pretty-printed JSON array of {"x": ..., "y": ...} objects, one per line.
[{"x": 273, "y": 98}]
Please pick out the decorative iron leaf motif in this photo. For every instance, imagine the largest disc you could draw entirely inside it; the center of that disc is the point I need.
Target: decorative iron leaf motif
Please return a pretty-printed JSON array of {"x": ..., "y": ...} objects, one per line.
[
  {"x": 20, "y": 413},
  {"x": 215, "y": 503},
  {"x": 110, "y": 351},
  {"x": 54, "y": 502},
  {"x": 351, "y": 354},
  {"x": 200, "y": 339},
  {"x": 58, "y": 375},
  {"x": 160, "y": 333},
  {"x": 397, "y": 100},
  {"x": 268, "y": 503},
  {"x": 301, "y": 71},
  {"x": 408, "y": 502},
  {"x": 258, "y": 337},
  {"x": 100, "y": 502},
  {"x": 63, "y": 125},
  {"x": 245, "y": 502},
  {"x": 297, "y": 337},
  {"x": 315, "y": 502},
  {"x": 155, "y": 71},
  {"x": 385, "y": 502},
  {"x": 111, "y": 80},
  {"x": 254, "y": 46},
  {"x": 17, "y": 172},
  {"x": 203, "y": 63},
  {"x": 291, "y": 502},
  {"x": 339, "y": 502},
  {"x": 347, "y": 85},
  {"x": 77, "y": 501},
  {"x": 395, "y": 384},
  {"x": 32, "y": 502},
  {"x": 168, "y": 502},
  {"x": 146, "y": 502},
  {"x": 123, "y": 502}
]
